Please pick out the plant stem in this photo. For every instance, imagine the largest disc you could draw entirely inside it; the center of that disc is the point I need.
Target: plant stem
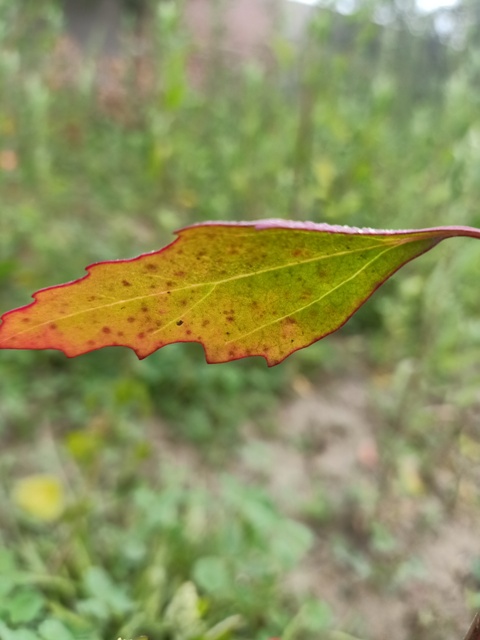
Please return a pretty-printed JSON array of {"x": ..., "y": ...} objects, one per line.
[{"x": 474, "y": 632}]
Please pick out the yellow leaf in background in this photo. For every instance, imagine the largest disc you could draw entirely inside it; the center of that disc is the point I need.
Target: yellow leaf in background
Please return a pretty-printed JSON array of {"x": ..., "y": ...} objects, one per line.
[{"x": 40, "y": 496}]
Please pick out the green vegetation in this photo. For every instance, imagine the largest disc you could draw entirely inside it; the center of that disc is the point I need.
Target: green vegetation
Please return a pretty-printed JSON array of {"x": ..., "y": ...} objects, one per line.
[{"x": 167, "y": 526}]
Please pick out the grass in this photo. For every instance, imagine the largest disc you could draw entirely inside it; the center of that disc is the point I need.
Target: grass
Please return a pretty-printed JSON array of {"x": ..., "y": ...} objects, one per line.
[
  {"x": 138, "y": 539},
  {"x": 160, "y": 529}
]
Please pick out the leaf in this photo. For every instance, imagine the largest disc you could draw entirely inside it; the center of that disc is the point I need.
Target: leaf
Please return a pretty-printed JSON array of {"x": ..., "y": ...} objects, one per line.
[
  {"x": 212, "y": 574},
  {"x": 262, "y": 288},
  {"x": 52, "y": 628},
  {"x": 24, "y": 606},
  {"x": 40, "y": 496},
  {"x": 104, "y": 591},
  {"x": 19, "y": 634}
]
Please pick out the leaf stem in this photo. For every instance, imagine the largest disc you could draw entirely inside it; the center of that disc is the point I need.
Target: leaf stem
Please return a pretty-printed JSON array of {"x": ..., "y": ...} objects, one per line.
[{"x": 474, "y": 632}]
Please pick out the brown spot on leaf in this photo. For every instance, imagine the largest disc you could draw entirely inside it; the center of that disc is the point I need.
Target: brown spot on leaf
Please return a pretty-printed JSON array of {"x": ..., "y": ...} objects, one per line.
[
  {"x": 205, "y": 323},
  {"x": 179, "y": 323},
  {"x": 179, "y": 274},
  {"x": 144, "y": 308},
  {"x": 130, "y": 319},
  {"x": 151, "y": 267},
  {"x": 52, "y": 325},
  {"x": 126, "y": 283},
  {"x": 25, "y": 319},
  {"x": 106, "y": 330},
  {"x": 140, "y": 335}
]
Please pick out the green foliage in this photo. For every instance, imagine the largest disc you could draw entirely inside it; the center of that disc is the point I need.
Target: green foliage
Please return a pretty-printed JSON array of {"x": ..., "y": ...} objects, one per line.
[
  {"x": 144, "y": 569},
  {"x": 345, "y": 131},
  {"x": 207, "y": 408}
]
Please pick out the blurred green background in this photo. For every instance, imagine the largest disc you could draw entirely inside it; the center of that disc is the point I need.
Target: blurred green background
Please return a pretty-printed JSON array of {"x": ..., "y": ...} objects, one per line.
[{"x": 334, "y": 496}]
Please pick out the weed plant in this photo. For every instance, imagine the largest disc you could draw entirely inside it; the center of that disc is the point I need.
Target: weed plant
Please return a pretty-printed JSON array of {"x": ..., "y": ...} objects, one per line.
[{"x": 343, "y": 129}]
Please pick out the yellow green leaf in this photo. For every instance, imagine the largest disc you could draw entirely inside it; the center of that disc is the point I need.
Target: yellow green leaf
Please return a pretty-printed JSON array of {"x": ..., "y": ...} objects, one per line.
[{"x": 240, "y": 289}]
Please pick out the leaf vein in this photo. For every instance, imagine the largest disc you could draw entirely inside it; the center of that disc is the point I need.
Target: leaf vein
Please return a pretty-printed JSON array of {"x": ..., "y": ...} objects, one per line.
[
  {"x": 183, "y": 314},
  {"x": 391, "y": 244},
  {"x": 322, "y": 297}
]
